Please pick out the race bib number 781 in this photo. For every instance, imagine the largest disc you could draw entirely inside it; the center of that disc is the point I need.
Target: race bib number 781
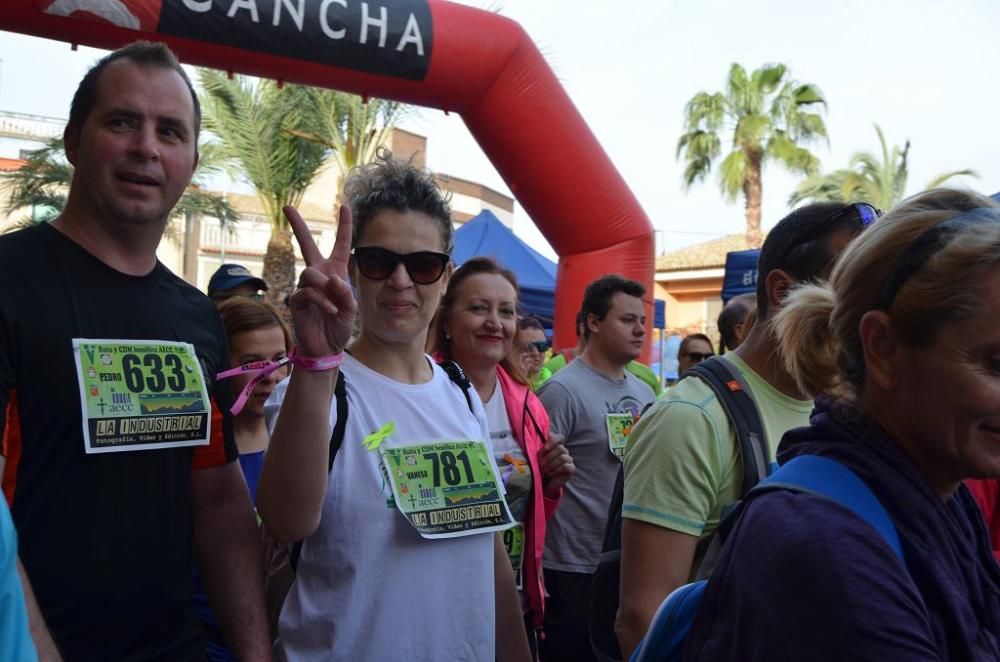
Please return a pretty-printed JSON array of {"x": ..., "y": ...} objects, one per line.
[{"x": 447, "y": 489}]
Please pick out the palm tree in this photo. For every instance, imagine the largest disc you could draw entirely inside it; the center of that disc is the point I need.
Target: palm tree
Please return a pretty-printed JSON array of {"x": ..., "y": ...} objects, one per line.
[
  {"x": 42, "y": 185},
  {"x": 769, "y": 115},
  {"x": 351, "y": 127},
  {"x": 254, "y": 118},
  {"x": 880, "y": 180}
]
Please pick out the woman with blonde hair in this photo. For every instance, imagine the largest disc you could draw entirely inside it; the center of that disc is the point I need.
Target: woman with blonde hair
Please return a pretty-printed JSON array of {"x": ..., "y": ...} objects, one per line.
[{"x": 902, "y": 351}]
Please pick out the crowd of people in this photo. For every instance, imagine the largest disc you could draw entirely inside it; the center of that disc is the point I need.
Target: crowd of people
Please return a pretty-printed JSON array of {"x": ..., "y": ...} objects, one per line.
[{"x": 389, "y": 468}]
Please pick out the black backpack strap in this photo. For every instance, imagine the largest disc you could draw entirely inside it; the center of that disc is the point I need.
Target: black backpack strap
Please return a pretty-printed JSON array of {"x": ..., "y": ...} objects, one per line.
[
  {"x": 457, "y": 375},
  {"x": 613, "y": 528},
  {"x": 337, "y": 437},
  {"x": 735, "y": 397},
  {"x": 336, "y": 441}
]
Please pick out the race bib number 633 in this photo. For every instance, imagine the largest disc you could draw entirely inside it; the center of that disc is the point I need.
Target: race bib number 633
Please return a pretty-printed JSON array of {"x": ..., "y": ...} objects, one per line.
[{"x": 141, "y": 394}]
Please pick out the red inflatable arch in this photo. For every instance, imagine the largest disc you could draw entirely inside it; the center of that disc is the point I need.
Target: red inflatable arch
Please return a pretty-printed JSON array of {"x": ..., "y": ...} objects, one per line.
[{"x": 427, "y": 52}]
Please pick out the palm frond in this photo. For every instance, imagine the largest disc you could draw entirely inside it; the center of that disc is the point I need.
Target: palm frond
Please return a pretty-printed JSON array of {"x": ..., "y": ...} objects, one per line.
[
  {"x": 252, "y": 118},
  {"x": 771, "y": 117},
  {"x": 700, "y": 148},
  {"x": 752, "y": 130},
  {"x": 782, "y": 148},
  {"x": 732, "y": 174},
  {"x": 945, "y": 176}
]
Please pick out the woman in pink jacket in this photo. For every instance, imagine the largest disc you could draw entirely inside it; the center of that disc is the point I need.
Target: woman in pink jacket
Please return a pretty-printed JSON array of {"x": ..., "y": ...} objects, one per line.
[{"x": 476, "y": 326}]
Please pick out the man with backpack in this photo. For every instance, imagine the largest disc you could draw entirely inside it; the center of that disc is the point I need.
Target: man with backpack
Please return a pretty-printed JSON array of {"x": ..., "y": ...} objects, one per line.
[
  {"x": 684, "y": 465},
  {"x": 593, "y": 402}
]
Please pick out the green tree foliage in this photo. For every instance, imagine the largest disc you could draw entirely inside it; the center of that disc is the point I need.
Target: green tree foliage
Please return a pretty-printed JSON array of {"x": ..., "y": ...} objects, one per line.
[
  {"x": 768, "y": 117},
  {"x": 352, "y": 128},
  {"x": 40, "y": 185},
  {"x": 878, "y": 179},
  {"x": 255, "y": 120}
]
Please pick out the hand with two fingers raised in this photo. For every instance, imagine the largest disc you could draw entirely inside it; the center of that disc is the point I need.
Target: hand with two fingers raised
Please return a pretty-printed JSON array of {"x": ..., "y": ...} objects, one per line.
[{"x": 323, "y": 306}]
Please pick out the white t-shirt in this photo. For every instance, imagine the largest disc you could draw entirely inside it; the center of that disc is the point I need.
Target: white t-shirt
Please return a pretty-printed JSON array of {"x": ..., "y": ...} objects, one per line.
[
  {"x": 499, "y": 423},
  {"x": 367, "y": 586}
]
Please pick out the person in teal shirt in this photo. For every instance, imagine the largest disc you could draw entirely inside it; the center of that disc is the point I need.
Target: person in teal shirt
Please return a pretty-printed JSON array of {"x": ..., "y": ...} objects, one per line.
[{"x": 15, "y": 637}]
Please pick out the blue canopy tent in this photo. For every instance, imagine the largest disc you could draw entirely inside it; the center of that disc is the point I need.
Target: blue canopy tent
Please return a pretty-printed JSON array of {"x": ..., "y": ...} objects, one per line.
[
  {"x": 741, "y": 273},
  {"x": 486, "y": 235}
]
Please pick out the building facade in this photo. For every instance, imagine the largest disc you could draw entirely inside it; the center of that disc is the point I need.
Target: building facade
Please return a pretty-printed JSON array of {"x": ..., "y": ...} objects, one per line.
[{"x": 690, "y": 281}]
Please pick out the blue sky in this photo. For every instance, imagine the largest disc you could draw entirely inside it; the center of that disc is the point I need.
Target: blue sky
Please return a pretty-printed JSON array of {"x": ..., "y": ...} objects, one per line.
[{"x": 923, "y": 70}]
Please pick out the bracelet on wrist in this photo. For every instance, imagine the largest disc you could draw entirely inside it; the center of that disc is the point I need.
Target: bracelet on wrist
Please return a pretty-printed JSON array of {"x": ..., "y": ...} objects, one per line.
[{"x": 265, "y": 368}]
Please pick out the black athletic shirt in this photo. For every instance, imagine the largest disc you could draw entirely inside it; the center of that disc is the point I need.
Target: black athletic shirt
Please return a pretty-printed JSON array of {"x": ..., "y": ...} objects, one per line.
[{"x": 106, "y": 538}]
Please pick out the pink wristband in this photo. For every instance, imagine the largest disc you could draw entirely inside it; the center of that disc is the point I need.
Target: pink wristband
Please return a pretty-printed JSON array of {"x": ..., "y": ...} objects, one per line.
[
  {"x": 265, "y": 368},
  {"x": 315, "y": 364}
]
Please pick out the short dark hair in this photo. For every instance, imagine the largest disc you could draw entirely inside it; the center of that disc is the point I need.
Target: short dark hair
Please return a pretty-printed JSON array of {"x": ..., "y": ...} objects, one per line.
[
  {"x": 581, "y": 321},
  {"x": 799, "y": 244},
  {"x": 733, "y": 313},
  {"x": 143, "y": 53},
  {"x": 530, "y": 323},
  {"x": 686, "y": 342},
  {"x": 390, "y": 183},
  {"x": 597, "y": 296}
]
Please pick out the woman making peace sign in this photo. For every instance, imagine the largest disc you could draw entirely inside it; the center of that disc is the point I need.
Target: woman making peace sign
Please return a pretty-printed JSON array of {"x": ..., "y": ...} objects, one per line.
[{"x": 399, "y": 557}]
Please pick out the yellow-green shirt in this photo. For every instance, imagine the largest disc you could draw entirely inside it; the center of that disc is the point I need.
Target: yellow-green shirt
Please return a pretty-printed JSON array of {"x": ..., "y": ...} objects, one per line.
[{"x": 682, "y": 461}]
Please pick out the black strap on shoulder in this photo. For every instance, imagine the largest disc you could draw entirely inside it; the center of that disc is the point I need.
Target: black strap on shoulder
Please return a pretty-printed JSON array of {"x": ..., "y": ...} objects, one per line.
[
  {"x": 337, "y": 437},
  {"x": 336, "y": 441},
  {"x": 457, "y": 375},
  {"x": 735, "y": 398}
]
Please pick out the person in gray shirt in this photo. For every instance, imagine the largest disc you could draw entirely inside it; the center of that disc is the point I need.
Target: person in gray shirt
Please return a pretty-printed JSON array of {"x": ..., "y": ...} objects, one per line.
[{"x": 593, "y": 403}]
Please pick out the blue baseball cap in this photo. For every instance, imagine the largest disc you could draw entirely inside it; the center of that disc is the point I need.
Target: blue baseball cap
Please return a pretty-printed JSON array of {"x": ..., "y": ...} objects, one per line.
[{"x": 230, "y": 276}]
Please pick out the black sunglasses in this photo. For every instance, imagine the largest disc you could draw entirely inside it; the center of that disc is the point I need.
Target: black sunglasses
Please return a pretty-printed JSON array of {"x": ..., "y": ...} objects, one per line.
[
  {"x": 540, "y": 345},
  {"x": 424, "y": 267},
  {"x": 867, "y": 213},
  {"x": 698, "y": 357}
]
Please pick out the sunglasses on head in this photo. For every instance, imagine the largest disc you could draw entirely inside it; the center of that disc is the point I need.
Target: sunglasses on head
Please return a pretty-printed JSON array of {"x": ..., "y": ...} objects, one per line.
[
  {"x": 698, "y": 357},
  {"x": 424, "y": 267},
  {"x": 541, "y": 346},
  {"x": 866, "y": 213}
]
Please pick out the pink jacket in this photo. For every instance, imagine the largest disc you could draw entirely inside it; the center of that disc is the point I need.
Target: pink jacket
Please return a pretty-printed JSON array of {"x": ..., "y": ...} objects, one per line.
[{"x": 529, "y": 424}]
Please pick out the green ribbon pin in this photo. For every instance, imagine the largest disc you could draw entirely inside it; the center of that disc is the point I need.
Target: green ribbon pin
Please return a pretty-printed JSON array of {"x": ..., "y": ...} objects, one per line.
[{"x": 375, "y": 439}]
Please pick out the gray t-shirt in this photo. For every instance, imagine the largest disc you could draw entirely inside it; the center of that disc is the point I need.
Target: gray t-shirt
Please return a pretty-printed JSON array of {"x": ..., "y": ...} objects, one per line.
[{"x": 578, "y": 400}]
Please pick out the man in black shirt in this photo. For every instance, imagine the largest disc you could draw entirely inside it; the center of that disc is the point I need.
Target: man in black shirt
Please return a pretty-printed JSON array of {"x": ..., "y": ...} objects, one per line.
[{"x": 118, "y": 446}]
